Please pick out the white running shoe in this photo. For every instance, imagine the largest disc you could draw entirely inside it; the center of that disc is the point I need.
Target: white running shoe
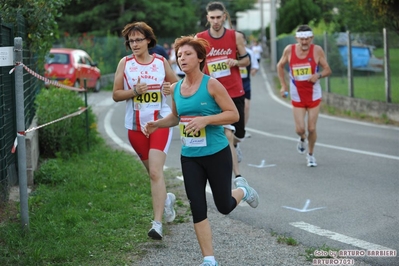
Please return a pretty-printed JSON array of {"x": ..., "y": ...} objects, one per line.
[
  {"x": 155, "y": 231},
  {"x": 311, "y": 160},
  {"x": 252, "y": 197},
  {"x": 208, "y": 263},
  {"x": 301, "y": 146},
  {"x": 169, "y": 213}
]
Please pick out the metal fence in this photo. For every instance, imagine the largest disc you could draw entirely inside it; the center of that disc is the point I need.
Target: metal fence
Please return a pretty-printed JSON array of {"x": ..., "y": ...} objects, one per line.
[
  {"x": 8, "y": 132},
  {"x": 362, "y": 69}
]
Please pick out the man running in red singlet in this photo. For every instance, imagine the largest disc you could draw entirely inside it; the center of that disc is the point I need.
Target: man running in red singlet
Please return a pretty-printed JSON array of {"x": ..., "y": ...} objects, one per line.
[
  {"x": 305, "y": 60},
  {"x": 225, "y": 55}
]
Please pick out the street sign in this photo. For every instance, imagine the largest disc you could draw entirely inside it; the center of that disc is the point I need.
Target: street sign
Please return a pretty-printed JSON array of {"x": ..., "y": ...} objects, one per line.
[{"x": 6, "y": 56}]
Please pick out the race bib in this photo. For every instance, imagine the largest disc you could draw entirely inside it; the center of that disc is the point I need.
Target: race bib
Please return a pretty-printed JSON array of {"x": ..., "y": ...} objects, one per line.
[
  {"x": 190, "y": 139},
  {"x": 219, "y": 68},
  {"x": 243, "y": 72},
  {"x": 151, "y": 100},
  {"x": 301, "y": 72}
]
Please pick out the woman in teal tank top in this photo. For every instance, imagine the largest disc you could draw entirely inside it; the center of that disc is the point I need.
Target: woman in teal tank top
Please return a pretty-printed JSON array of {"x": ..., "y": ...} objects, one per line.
[{"x": 200, "y": 106}]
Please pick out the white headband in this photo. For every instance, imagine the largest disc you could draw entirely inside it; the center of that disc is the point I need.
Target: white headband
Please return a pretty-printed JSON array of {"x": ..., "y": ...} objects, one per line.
[{"x": 304, "y": 34}]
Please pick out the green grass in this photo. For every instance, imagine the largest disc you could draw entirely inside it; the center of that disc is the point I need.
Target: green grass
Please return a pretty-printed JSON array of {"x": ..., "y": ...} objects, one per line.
[
  {"x": 97, "y": 214},
  {"x": 370, "y": 86},
  {"x": 287, "y": 240}
]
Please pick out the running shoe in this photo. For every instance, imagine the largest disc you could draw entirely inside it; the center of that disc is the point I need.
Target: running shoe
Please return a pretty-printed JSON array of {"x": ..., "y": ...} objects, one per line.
[
  {"x": 208, "y": 263},
  {"x": 252, "y": 197},
  {"x": 239, "y": 153},
  {"x": 301, "y": 146},
  {"x": 169, "y": 213},
  {"x": 311, "y": 160},
  {"x": 155, "y": 231}
]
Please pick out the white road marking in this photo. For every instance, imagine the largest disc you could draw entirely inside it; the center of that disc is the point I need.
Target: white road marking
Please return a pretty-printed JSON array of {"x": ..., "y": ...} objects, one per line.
[
  {"x": 339, "y": 237},
  {"x": 325, "y": 145},
  {"x": 305, "y": 207},
  {"x": 261, "y": 165},
  {"x": 110, "y": 132}
]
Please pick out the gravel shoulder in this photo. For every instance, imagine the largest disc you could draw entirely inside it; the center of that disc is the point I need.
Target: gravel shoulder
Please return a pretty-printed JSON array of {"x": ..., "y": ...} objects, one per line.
[{"x": 235, "y": 243}]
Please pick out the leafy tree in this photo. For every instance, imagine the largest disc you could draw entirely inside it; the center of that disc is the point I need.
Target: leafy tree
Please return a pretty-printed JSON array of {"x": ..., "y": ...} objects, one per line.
[
  {"x": 167, "y": 18},
  {"x": 296, "y": 12},
  {"x": 339, "y": 15},
  {"x": 385, "y": 11},
  {"x": 346, "y": 15},
  {"x": 40, "y": 17}
]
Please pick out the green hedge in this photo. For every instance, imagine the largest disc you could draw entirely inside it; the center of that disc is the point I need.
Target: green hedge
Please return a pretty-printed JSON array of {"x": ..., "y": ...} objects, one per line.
[{"x": 68, "y": 136}]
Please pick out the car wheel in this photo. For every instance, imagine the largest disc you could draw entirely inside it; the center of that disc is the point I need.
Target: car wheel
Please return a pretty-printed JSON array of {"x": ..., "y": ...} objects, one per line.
[{"x": 98, "y": 86}]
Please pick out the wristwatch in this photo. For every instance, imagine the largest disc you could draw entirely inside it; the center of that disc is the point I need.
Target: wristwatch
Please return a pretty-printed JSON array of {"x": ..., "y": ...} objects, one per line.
[{"x": 320, "y": 76}]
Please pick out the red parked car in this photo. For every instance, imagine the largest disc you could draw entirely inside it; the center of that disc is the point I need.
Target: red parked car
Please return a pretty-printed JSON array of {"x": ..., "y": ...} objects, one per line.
[{"x": 71, "y": 67}]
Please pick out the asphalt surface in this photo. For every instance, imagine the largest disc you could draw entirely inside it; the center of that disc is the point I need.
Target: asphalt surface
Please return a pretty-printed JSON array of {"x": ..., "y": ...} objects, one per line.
[{"x": 348, "y": 202}]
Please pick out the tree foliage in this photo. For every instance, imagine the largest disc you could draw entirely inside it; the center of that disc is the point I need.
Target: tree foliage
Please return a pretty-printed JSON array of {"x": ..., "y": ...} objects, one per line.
[
  {"x": 167, "y": 18},
  {"x": 40, "y": 17},
  {"x": 293, "y": 13},
  {"x": 385, "y": 11},
  {"x": 339, "y": 15}
]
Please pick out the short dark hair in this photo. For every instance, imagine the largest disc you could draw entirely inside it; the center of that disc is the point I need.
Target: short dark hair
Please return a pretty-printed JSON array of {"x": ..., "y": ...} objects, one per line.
[
  {"x": 199, "y": 45},
  {"x": 212, "y": 6},
  {"x": 141, "y": 27},
  {"x": 304, "y": 28}
]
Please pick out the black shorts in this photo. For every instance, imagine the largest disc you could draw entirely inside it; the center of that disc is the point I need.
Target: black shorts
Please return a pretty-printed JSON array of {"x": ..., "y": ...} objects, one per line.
[
  {"x": 248, "y": 94},
  {"x": 240, "y": 124},
  {"x": 215, "y": 169}
]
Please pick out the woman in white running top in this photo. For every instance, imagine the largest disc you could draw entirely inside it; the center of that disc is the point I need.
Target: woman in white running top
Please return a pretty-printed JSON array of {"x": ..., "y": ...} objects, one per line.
[{"x": 142, "y": 80}]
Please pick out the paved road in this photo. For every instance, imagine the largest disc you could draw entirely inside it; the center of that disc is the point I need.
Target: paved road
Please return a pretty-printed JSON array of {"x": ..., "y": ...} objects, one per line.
[{"x": 348, "y": 202}]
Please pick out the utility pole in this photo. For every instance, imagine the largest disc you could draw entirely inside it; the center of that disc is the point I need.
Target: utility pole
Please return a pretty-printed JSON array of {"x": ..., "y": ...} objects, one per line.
[
  {"x": 262, "y": 23},
  {"x": 273, "y": 48},
  {"x": 21, "y": 148}
]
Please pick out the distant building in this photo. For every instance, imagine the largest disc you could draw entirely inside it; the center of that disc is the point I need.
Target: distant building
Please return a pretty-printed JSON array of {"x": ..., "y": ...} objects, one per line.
[{"x": 251, "y": 19}]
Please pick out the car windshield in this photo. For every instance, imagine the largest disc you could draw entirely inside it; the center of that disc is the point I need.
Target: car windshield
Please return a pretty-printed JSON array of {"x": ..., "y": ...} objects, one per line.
[{"x": 57, "y": 59}]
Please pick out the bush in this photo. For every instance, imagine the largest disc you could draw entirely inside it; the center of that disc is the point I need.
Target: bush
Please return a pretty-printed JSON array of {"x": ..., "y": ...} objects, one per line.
[
  {"x": 68, "y": 136},
  {"x": 49, "y": 172}
]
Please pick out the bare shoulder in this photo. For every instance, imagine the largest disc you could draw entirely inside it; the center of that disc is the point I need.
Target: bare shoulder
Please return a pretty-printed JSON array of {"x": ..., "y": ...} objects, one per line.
[
  {"x": 214, "y": 85},
  {"x": 287, "y": 50},
  {"x": 286, "y": 55},
  {"x": 214, "y": 82},
  {"x": 121, "y": 64},
  {"x": 122, "y": 61},
  {"x": 318, "y": 50}
]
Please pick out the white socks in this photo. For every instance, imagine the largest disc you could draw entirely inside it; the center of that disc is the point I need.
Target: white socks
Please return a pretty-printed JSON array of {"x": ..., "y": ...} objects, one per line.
[
  {"x": 210, "y": 259},
  {"x": 245, "y": 191}
]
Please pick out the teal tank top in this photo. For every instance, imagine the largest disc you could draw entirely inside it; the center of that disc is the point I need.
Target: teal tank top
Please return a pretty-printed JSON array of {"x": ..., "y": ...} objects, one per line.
[{"x": 201, "y": 103}]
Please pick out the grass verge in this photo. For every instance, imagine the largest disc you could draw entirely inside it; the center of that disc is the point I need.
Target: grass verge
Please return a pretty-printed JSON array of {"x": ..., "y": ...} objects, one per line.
[{"x": 97, "y": 213}]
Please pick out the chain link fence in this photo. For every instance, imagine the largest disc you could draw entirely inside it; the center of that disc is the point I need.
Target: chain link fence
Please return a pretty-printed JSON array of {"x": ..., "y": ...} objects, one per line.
[
  {"x": 367, "y": 74},
  {"x": 8, "y": 131}
]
